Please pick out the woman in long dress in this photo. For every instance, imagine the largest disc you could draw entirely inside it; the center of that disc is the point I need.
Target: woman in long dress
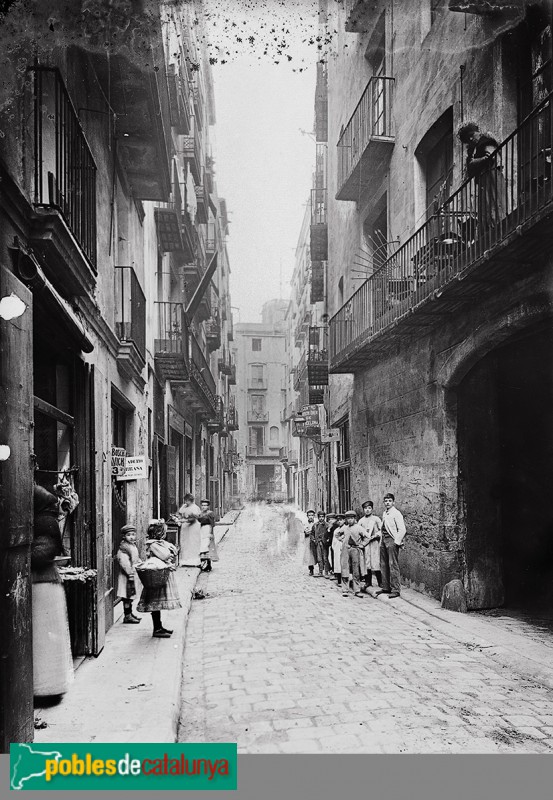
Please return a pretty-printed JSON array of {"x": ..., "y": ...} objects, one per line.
[
  {"x": 190, "y": 533},
  {"x": 52, "y": 660}
]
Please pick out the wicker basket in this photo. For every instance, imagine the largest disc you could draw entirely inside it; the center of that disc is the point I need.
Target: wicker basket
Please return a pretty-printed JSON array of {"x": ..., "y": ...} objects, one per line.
[{"x": 153, "y": 578}]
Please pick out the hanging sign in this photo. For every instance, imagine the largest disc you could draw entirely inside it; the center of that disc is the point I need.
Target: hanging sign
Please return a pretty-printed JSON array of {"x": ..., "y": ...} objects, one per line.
[
  {"x": 311, "y": 415},
  {"x": 135, "y": 468},
  {"x": 118, "y": 456}
]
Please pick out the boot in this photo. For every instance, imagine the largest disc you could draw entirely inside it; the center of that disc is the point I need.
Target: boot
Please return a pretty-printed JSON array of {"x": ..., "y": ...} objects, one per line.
[{"x": 130, "y": 619}]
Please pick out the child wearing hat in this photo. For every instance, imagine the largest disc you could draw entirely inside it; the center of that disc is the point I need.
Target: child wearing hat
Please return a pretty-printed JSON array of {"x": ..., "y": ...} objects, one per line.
[
  {"x": 355, "y": 540},
  {"x": 318, "y": 538},
  {"x": 372, "y": 525},
  {"x": 331, "y": 524},
  {"x": 127, "y": 558}
]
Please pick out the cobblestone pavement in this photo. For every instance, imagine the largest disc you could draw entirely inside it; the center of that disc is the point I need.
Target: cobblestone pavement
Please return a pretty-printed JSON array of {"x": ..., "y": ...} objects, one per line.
[{"x": 282, "y": 663}]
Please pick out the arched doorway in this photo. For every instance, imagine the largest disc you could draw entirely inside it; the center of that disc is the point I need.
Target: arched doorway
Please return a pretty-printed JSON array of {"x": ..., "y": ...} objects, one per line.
[{"x": 505, "y": 442}]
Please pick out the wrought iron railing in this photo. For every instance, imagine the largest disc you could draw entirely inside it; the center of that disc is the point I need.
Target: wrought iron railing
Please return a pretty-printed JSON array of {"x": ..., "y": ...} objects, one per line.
[
  {"x": 200, "y": 370},
  {"x": 172, "y": 331},
  {"x": 130, "y": 309},
  {"x": 372, "y": 119},
  {"x": 257, "y": 416},
  {"x": 65, "y": 172},
  {"x": 507, "y": 198},
  {"x": 318, "y": 206}
]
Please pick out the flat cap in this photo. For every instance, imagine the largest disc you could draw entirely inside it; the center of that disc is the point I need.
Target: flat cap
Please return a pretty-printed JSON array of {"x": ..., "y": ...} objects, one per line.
[{"x": 350, "y": 514}]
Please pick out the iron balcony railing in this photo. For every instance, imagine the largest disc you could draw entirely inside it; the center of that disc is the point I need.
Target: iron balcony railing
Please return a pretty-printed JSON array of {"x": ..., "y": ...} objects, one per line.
[
  {"x": 172, "y": 331},
  {"x": 232, "y": 418},
  {"x": 130, "y": 309},
  {"x": 200, "y": 370},
  {"x": 257, "y": 416},
  {"x": 262, "y": 451},
  {"x": 65, "y": 172},
  {"x": 318, "y": 206},
  {"x": 372, "y": 119},
  {"x": 511, "y": 195},
  {"x": 257, "y": 383}
]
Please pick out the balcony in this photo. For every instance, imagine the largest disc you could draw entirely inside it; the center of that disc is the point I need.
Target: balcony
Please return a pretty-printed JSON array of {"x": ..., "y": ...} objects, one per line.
[
  {"x": 321, "y": 103},
  {"x": 261, "y": 451},
  {"x": 365, "y": 147},
  {"x": 317, "y": 281},
  {"x": 211, "y": 240},
  {"x": 283, "y": 455},
  {"x": 257, "y": 416},
  {"x": 302, "y": 326},
  {"x": 256, "y": 384},
  {"x": 317, "y": 367},
  {"x": 171, "y": 344},
  {"x": 319, "y": 227},
  {"x": 198, "y": 100},
  {"x": 192, "y": 154},
  {"x": 300, "y": 373},
  {"x": 232, "y": 418},
  {"x": 292, "y": 458},
  {"x": 232, "y": 375},
  {"x": 202, "y": 202},
  {"x": 489, "y": 226},
  {"x": 64, "y": 223},
  {"x": 178, "y": 101},
  {"x": 224, "y": 363},
  {"x": 216, "y": 423},
  {"x": 213, "y": 333},
  {"x": 199, "y": 392},
  {"x": 130, "y": 325}
]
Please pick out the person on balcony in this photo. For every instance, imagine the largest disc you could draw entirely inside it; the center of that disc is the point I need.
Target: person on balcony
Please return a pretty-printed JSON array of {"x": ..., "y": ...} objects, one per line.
[{"x": 482, "y": 164}]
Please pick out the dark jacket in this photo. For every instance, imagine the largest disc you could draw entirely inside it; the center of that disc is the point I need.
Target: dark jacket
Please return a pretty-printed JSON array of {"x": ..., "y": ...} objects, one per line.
[
  {"x": 330, "y": 534},
  {"x": 47, "y": 542},
  {"x": 319, "y": 532}
]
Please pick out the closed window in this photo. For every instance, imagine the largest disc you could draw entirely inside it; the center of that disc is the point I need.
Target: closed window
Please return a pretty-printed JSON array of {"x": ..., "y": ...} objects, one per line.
[{"x": 256, "y": 344}]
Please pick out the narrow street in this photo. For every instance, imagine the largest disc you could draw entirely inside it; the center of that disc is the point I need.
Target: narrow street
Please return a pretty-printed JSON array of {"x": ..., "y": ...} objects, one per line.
[{"x": 282, "y": 663}]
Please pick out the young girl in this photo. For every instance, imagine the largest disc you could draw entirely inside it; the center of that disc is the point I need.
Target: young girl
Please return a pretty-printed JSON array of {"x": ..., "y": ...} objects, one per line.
[
  {"x": 127, "y": 558},
  {"x": 160, "y": 598},
  {"x": 208, "y": 551},
  {"x": 337, "y": 539}
]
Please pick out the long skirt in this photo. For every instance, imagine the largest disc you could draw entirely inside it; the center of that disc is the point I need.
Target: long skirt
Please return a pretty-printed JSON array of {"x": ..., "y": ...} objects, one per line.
[
  {"x": 52, "y": 660},
  {"x": 160, "y": 598},
  {"x": 309, "y": 556},
  {"x": 190, "y": 544}
]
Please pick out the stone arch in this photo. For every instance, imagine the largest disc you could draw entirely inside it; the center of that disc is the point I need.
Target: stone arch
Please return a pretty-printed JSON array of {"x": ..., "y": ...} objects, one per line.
[{"x": 491, "y": 334}]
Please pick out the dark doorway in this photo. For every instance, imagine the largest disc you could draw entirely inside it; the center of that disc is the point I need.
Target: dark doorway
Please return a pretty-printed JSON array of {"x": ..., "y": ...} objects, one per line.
[{"x": 506, "y": 462}]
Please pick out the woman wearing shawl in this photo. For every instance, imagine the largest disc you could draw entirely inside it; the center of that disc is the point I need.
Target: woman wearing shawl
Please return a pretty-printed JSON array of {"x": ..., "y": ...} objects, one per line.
[{"x": 52, "y": 660}]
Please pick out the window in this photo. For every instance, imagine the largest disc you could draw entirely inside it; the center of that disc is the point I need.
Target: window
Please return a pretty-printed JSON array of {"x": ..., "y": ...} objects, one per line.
[
  {"x": 257, "y": 440},
  {"x": 274, "y": 436},
  {"x": 256, "y": 344},
  {"x": 257, "y": 376},
  {"x": 435, "y": 156},
  {"x": 257, "y": 406},
  {"x": 375, "y": 233},
  {"x": 343, "y": 472}
]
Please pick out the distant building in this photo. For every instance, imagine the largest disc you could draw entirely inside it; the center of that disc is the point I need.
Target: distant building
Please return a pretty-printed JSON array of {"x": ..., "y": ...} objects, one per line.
[{"x": 260, "y": 365}]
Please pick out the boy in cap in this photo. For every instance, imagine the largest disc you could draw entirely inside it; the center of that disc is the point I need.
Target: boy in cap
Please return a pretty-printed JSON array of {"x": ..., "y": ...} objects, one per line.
[
  {"x": 318, "y": 538},
  {"x": 127, "y": 558},
  {"x": 309, "y": 556},
  {"x": 372, "y": 525},
  {"x": 355, "y": 540}
]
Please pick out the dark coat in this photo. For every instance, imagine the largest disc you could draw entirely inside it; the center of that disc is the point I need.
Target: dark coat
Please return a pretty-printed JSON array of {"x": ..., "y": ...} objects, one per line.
[{"x": 47, "y": 541}]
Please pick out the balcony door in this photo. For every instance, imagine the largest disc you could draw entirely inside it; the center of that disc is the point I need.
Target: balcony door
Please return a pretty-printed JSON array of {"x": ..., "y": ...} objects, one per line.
[
  {"x": 257, "y": 406},
  {"x": 257, "y": 439}
]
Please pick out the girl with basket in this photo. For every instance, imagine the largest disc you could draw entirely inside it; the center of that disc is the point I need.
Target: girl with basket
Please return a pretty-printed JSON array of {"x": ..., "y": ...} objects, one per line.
[{"x": 160, "y": 588}]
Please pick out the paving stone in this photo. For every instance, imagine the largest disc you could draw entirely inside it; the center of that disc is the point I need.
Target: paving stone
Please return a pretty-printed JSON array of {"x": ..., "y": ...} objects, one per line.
[{"x": 282, "y": 663}]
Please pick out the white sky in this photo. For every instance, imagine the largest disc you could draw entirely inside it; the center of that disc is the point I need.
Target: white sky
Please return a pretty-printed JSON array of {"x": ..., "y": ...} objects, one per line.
[{"x": 263, "y": 162}]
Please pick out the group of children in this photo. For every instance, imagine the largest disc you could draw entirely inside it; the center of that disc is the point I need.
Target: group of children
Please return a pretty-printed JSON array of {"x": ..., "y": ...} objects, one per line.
[
  {"x": 155, "y": 599},
  {"x": 351, "y": 551}
]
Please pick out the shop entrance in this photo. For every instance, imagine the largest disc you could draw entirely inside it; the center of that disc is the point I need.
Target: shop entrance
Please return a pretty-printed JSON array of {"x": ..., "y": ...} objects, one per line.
[{"x": 505, "y": 437}]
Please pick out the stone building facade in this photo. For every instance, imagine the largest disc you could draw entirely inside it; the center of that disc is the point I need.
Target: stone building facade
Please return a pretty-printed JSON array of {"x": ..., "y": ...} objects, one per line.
[
  {"x": 113, "y": 235},
  {"x": 439, "y": 287},
  {"x": 259, "y": 350}
]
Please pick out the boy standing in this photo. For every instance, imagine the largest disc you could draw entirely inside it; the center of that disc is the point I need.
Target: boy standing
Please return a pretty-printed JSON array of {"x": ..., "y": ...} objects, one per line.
[
  {"x": 372, "y": 525},
  {"x": 318, "y": 538},
  {"x": 337, "y": 538},
  {"x": 331, "y": 525},
  {"x": 393, "y": 532},
  {"x": 309, "y": 556},
  {"x": 352, "y": 547}
]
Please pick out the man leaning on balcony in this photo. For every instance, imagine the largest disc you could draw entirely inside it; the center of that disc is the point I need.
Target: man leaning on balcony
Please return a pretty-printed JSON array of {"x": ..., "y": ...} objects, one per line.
[{"x": 393, "y": 533}]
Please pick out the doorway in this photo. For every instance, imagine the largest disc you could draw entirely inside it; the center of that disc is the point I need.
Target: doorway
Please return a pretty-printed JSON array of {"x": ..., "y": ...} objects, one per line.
[{"x": 505, "y": 438}]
